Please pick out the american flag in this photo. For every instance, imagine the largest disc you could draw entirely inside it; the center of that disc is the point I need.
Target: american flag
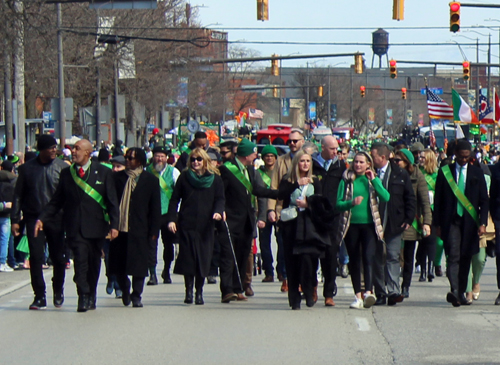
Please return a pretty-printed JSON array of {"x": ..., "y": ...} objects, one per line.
[
  {"x": 438, "y": 109},
  {"x": 255, "y": 113}
]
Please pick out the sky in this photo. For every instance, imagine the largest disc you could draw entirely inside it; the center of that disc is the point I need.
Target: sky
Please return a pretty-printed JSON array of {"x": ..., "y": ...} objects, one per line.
[{"x": 239, "y": 19}]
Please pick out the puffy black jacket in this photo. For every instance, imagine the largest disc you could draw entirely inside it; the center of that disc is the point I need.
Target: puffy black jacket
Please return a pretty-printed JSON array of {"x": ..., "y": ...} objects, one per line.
[
  {"x": 7, "y": 183},
  {"x": 35, "y": 186}
]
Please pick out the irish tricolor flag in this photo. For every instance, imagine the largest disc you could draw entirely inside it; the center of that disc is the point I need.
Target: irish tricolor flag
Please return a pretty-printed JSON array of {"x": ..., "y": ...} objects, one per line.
[{"x": 462, "y": 112}]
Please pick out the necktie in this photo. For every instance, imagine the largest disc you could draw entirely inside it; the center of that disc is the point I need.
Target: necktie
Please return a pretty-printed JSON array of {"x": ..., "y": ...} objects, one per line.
[
  {"x": 325, "y": 165},
  {"x": 461, "y": 186},
  {"x": 81, "y": 173}
]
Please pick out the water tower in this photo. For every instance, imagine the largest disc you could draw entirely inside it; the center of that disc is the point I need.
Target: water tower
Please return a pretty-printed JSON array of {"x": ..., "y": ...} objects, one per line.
[{"x": 380, "y": 46}]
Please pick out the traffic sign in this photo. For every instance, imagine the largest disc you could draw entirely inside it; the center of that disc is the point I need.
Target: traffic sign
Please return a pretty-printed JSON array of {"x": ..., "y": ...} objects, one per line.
[{"x": 435, "y": 90}]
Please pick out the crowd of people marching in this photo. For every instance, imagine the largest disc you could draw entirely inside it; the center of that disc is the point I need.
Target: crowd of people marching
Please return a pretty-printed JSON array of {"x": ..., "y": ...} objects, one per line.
[{"x": 367, "y": 213}]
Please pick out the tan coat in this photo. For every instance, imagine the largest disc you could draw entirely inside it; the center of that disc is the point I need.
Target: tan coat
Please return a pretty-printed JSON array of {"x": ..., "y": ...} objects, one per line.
[
  {"x": 280, "y": 169},
  {"x": 424, "y": 212}
]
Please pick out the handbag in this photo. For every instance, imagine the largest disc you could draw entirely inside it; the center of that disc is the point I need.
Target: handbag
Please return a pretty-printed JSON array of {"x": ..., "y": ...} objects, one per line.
[{"x": 288, "y": 214}]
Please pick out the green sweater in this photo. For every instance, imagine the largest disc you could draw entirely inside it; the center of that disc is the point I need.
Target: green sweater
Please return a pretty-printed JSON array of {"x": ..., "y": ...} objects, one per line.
[{"x": 361, "y": 214}]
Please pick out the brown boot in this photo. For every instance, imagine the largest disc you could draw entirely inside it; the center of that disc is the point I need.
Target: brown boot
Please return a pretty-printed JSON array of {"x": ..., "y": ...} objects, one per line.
[{"x": 284, "y": 286}]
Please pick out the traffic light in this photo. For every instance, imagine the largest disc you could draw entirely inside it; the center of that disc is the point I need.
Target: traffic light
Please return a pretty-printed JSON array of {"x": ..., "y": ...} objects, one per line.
[
  {"x": 320, "y": 91},
  {"x": 262, "y": 10},
  {"x": 362, "y": 90},
  {"x": 403, "y": 93},
  {"x": 454, "y": 16},
  {"x": 393, "y": 69},
  {"x": 358, "y": 63},
  {"x": 275, "y": 69},
  {"x": 275, "y": 92},
  {"x": 398, "y": 9},
  {"x": 466, "y": 65}
]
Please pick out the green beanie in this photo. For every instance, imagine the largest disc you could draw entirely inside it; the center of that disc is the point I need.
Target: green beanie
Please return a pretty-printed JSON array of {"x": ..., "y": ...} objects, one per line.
[
  {"x": 246, "y": 148},
  {"x": 408, "y": 155},
  {"x": 269, "y": 149}
]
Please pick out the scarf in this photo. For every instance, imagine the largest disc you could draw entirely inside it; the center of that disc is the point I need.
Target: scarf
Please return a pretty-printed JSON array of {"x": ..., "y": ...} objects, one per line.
[
  {"x": 125, "y": 201},
  {"x": 200, "y": 182}
]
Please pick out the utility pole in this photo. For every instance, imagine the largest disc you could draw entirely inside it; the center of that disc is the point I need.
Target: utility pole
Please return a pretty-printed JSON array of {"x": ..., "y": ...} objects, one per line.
[
  {"x": 489, "y": 67},
  {"x": 98, "y": 108},
  {"x": 60, "y": 77},
  {"x": 7, "y": 67},
  {"x": 116, "y": 75},
  {"x": 19, "y": 75},
  {"x": 329, "y": 101}
]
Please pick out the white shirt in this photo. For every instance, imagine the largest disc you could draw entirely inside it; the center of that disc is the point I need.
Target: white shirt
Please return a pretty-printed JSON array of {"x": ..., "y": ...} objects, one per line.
[{"x": 382, "y": 170}]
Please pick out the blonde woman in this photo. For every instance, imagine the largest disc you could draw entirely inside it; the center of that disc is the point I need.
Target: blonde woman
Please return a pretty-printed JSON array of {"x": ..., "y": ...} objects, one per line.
[{"x": 200, "y": 190}]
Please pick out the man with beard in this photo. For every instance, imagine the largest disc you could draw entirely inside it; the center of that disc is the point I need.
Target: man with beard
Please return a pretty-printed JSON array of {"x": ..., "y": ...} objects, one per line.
[
  {"x": 87, "y": 196},
  {"x": 167, "y": 176}
]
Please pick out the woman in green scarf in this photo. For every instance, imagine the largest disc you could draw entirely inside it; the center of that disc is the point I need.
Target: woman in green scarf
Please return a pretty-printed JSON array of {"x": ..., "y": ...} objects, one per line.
[{"x": 200, "y": 190}]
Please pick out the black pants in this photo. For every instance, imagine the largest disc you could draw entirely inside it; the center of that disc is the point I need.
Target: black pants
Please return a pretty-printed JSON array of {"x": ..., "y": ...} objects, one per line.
[
  {"x": 497, "y": 249},
  {"x": 87, "y": 259},
  {"x": 137, "y": 285},
  {"x": 329, "y": 267},
  {"x": 409, "y": 259},
  {"x": 426, "y": 252},
  {"x": 361, "y": 241},
  {"x": 168, "y": 239},
  {"x": 54, "y": 236},
  {"x": 458, "y": 264},
  {"x": 242, "y": 244},
  {"x": 215, "y": 262}
]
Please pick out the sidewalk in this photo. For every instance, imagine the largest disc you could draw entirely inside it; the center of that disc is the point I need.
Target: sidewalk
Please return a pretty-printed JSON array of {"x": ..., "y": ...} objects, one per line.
[{"x": 11, "y": 281}]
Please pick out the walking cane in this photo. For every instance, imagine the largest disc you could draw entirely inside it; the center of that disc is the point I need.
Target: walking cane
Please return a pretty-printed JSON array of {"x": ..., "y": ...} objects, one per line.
[{"x": 234, "y": 255}]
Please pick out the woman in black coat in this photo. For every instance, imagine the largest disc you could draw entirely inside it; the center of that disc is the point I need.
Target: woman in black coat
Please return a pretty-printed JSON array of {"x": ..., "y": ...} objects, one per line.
[
  {"x": 201, "y": 192},
  {"x": 305, "y": 239}
]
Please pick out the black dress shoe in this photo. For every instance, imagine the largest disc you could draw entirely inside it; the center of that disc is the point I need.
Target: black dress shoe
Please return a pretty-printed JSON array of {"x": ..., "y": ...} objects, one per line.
[
  {"x": 405, "y": 292},
  {"x": 166, "y": 278},
  {"x": 83, "y": 303},
  {"x": 137, "y": 303},
  {"x": 189, "y": 297},
  {"x": 92, "y": 302},
  {"x": 497, "y": 301},
  {"x": 39, "y": 303},
  {"x": 58, "y": 299},
  {"x": 126, "y": 298},
  {"x": 438, "y": 270},
  {"x": 199, "y": 298},
  {"x": 381, "y": 300},
  {"x": 452, "y": 298},
  {"x": 464, "y": 300},
  {"x": 395, "y": 298},
  {"x": 153, "y": 280},
  {"x": 211, "y": 280}
]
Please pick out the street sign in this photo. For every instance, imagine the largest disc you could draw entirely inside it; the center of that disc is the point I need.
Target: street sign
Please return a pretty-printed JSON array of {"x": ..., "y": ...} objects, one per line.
[
  {"x": 435, "y": 90},
  {"x": 46, "y": 116},
  {"x": 312, "y": 110}
]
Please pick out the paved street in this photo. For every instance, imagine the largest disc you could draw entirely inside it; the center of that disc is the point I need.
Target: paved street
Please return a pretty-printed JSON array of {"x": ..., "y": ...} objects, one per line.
[{"x": 422, "y": 330}]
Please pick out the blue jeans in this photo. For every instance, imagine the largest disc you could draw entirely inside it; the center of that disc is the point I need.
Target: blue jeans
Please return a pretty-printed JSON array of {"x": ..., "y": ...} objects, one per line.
[
  {"x": 266, "y": 252},
  {"x": 343, "y": 256},
  {"x": 4, "y": 238},
  {"x": 11, "y": 258}
]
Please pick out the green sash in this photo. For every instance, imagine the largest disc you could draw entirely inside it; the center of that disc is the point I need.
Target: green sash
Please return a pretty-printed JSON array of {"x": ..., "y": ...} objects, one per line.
[
  {"x": 163, "y": 184},
  {"x": 90, "y": 191},
  {"x": 460, "y": 195},
  {"x": 414, "y": 224},
  {"x": 430, "y": 181},
  {"x": 265, "y": 177},
  {"x": 241, "y": 178}
]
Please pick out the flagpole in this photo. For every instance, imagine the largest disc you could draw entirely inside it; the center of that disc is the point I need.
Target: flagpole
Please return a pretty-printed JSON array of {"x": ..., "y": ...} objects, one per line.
[{"x": 494, "y": 121}]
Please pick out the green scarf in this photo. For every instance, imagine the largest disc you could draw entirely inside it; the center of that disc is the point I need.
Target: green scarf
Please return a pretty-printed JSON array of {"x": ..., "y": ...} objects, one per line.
[{"x": 200, "y": 182}]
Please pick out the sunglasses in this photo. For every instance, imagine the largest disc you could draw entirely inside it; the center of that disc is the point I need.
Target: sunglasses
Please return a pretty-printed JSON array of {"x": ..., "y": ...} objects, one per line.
[
  {"x": 199, "y": 159},
  {"x": 130, "y": 158},
  {"x": 223, "y": 153},
  {"x": 397, "y": 160},
  {"x": 295, "y": 141}
]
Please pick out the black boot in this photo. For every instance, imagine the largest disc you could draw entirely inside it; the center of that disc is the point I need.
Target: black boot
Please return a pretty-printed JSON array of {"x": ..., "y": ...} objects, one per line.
[
  {"x": 439, "y": 270},
  {"x": 153, "y": 280},
  {"x": 199, "y": 297},
  {"x": 423, "y": 274},
  {"x": 166, "y": 275},
  {"x": 430, "y": 272},
  {"x": 83, "y": 303},
  {"x": 92, "y": 301},
  {"x": 189, "y": 282}
]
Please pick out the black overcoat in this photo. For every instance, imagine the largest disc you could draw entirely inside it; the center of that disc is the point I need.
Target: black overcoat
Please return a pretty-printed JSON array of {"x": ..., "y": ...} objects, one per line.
[
  {"x": 445, "y": 207},
  {"x": 144, "y": 223},
  {"x": 195, "y": 224}
]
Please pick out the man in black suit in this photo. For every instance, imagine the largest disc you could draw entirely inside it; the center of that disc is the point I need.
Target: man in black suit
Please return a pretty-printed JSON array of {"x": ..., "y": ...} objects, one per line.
[
  {"x": 495, "y": 216},
  {"x": 329, "y": 169},
  {"x": 453, "y": 217},
  {"x": 87, "y": 196},
  {"x": 140, "y": 220},
  {"x": 241, "y": 182},
  {"x": 397, "y": 216}
]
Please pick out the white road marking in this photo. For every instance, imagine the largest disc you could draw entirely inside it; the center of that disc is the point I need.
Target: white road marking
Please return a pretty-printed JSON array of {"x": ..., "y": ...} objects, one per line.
[
  {"x": 347, "y": 289},
  {"x": 363, "y": 324}
]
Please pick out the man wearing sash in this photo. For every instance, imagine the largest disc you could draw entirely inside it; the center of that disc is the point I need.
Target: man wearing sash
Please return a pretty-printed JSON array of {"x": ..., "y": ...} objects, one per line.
[
  {"x": 87, "y": 196},
  {"x": 36, "y": 184},
  {"x": 460, "y": 216},
  {"x": 269, "y": 155},
  {"x": 241, "y": 185},
  {"x": 200, "y": 141},
  {"x": 167, "y": 176}
]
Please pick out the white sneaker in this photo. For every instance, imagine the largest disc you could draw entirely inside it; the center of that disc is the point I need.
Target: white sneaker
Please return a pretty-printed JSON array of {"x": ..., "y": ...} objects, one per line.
[
  {"x": 357, "y": 304},
  {"x": 5, "y": 268},
  {"x": 370, "y": 300}
]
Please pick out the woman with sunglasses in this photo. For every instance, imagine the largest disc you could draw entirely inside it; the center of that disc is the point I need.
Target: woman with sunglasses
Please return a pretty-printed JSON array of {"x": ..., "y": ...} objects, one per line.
[
  {"x": 421, "y": 226},
  {"x": 200, "y": 190},
  {"x": 360, "y": 225}
]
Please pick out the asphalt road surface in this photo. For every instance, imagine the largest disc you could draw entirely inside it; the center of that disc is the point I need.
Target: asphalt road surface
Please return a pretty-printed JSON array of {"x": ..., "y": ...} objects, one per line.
[{"x": 424, "y": 329}]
